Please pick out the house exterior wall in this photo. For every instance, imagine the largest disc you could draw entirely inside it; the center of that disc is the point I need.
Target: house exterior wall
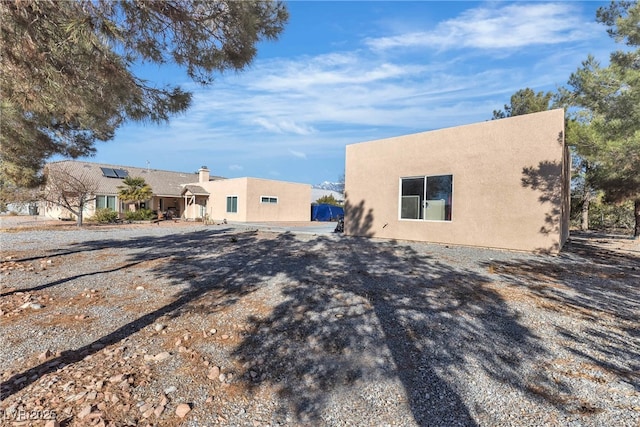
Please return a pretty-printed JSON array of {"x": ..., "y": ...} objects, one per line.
[
  {"x": 53, "y": 211},
  {"x": 195, "y": 205},
  {"x": 510, "y": 184},
  {"x": 292, "y": 200}
]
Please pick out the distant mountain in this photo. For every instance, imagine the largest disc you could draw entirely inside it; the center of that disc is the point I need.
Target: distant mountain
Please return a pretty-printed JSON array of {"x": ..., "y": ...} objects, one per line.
[{"x": 333, "y": 186}]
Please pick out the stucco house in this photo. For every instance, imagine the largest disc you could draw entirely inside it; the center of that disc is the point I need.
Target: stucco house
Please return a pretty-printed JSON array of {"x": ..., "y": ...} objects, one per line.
[
  {"x": 188, "y": 195},
  {"x": 499, "y": 184},
  {"x": 246, "y": 199}
]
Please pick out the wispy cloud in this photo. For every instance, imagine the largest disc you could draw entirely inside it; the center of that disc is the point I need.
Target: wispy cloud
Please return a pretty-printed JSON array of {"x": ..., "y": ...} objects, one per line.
[
  {"x": 271, "y": 118},
  {"x": 298, "y": 154},
  {"x": 283, "y": 126},
  {"x": 496, "y": 27}
]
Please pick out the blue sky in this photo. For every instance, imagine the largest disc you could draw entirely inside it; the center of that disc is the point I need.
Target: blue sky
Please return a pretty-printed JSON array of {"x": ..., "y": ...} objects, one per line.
[{"x": 347, "y": 72}]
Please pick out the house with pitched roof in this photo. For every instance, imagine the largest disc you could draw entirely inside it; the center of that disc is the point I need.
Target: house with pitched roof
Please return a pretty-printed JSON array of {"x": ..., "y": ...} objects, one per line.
[{"x": 191, "y": 196}]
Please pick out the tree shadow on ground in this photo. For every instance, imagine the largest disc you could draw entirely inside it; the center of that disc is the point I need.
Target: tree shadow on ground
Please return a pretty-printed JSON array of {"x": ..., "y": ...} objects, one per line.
[
  {"x": 350, "y": 313},
  {"x": 362, "y": 312},
  {"x": 596, "y": 284}
]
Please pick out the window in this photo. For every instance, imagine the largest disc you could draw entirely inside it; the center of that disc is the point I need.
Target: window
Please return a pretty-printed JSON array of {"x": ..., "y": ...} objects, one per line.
[
  {"x": 232, "y": 204},
  {"x": 426, "y": 197},
  {"x": 268, "y": 199},
  {"x": 106, "y": 202}
]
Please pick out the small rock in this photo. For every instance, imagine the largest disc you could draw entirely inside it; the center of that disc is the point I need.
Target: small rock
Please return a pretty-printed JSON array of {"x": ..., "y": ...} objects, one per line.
[
  {"x": 84, "y": 412},
  {"x": 158, "y": 327},
  {"x": 45, "y": 355},
  {"x": 162, "y": 356},
  {"x": 35, "y": 306},
  {"x": 183, "y": 409},
  {"x": 222, "y": 377},
  {"x": 213, "y": 331},
  {"x": 158, "y": 411},
  {"x": 213, "y": 373},
  {"x": 140, "y": 288},
  {"x": 170, "y": 389},
  {"x": 117, "y": 378},
  {"x": 225, "y": 337},
  {"x": 145, "y": 407}
]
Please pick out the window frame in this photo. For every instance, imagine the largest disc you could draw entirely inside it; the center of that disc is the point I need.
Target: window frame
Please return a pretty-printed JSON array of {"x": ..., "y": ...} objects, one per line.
[
  {"x": 271, "y": 200},
  {"x": 105, "y": 198},
  {"x": 231, "y": 198},
  {"x": 423, "y": 198}
]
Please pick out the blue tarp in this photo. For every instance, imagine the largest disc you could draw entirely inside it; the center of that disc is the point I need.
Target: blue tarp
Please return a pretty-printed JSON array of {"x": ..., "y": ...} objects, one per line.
[{"x": 326, "y": 212}]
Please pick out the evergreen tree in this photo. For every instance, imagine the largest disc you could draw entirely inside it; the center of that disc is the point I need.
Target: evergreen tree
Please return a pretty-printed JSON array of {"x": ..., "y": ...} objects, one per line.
[
  {"x": 524, "y": 101},
  {"x": 66, "y": 72},
  {"x": 609, "y": 107}
]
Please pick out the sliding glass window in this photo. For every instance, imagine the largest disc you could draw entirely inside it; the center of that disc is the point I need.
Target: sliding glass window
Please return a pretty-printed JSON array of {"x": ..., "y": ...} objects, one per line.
[{"x": 426, "y": 197}]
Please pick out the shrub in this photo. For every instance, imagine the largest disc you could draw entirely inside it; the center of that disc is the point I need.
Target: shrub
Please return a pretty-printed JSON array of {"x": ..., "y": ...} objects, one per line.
[
  {"x": 105, "y": 215},
  {"x": 139, "y": 215},
  {"x": 329, "y": 200}
]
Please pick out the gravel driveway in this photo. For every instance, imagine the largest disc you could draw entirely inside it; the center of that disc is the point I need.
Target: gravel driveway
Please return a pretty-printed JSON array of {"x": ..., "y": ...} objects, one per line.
[{"x": 213, "y": 325}]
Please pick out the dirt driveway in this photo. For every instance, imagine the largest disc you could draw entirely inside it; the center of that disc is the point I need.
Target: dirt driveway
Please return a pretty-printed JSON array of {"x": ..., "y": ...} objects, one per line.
[{"x": 196, "y": 325}]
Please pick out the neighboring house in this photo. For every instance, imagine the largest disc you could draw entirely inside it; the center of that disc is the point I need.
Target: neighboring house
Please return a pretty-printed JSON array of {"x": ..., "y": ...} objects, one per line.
[
  {"x": 246, "y": 199},
  {"x": 167, "y": 187},
  {"x": 501, "y": 184},
  {"x": 189, "y": 195}
]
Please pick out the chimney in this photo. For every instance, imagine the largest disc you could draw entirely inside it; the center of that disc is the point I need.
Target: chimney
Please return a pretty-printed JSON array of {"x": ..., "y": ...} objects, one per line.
[{"x": 203, "y": 174}]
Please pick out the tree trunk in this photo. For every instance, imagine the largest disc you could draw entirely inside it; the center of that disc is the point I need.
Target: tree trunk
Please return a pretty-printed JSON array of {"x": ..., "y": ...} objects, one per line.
[
  {"x": 586, "y": 200},
  {"x": 79, "y": 216},
  {"x": 636, "y": 213}
]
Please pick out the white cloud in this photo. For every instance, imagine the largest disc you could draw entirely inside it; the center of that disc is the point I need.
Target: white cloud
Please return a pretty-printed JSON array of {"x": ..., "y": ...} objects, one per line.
[
  {"x": 513, "y": 26},
  {"x": 298, "y": 154},
  {"x": 283, "y": 126},
  {"x": 282, "y": 110}
]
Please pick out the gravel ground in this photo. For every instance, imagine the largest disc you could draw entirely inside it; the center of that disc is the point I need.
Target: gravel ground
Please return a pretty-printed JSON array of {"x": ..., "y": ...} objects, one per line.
[{"x": 198, "y": 325}]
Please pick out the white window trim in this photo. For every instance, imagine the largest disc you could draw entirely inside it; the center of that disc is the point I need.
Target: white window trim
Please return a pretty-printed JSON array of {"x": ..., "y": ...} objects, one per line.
[
  {"x": 269, "y": 202},
  {"x": 425, "y": 177}
]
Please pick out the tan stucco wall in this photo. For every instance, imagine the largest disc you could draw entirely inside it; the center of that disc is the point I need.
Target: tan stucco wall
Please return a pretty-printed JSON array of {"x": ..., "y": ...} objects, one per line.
[
  {"x": 193, "y": 205},
  {"x": 510, "y": 184},
  {"x": 293, "y": 200}
]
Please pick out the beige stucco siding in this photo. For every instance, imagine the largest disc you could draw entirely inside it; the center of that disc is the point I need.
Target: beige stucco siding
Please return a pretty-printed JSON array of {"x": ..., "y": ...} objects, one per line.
[
  {"x": 508, "y": 183},
  {"x": 292, "y": 200}
]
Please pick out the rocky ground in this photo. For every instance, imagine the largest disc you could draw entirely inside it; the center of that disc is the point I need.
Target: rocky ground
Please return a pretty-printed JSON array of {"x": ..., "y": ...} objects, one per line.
[{"x": 187, "y": 324}]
